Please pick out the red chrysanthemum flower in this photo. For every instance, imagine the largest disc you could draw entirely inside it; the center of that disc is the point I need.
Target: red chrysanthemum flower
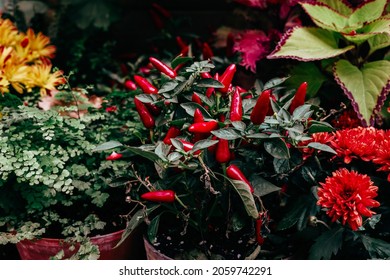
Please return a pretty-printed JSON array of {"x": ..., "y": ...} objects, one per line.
[
  {"x": 348, "y": 195},
  {"x": 382, "y": 155},
  {"x": 320, "y": 137},
  {"x": 348, "y": 119},
  {"x": 357, "y": 142}
]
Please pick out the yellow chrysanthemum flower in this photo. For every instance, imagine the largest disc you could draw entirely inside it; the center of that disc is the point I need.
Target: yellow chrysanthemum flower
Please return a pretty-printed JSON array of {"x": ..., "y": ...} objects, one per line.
[
  {"x": 9, "y": 35},
  {"x": 41, "y": 76}
]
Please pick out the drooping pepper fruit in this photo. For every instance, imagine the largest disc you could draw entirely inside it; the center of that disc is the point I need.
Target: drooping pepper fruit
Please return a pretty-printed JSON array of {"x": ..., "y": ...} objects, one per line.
[
  {"x": 181, "y": 43},
  {"x": 145, "y": 85},
  {"x": 198, "y": 116},
  {"x": 146, "y": 117},
  {"x": 130, "y": 85},
  {"x": 203, "y": 127},
  {"x": 167, "y": 196},
  {"x": 195, "y": 98},
  {"x": 157, "y": 20},
  {"x": 261, "y": 108},
  {"x": 207, "y": 52},
  {"x": 153, "y": 108},
  {"x": 299, "y": 97},
  {"x": 222, "y": 152},
  {"x": 173, "y": 132},
  {"x": 233, "y": 172},
  {"x": 227, "y": 78},
  {"x": 114, "y": 156},
  {"x": 236, "y": 107},
  {"x": 206, "y": 75},
  {"x": 259, "y": 237},
  {"x": 162, "y": 67}
]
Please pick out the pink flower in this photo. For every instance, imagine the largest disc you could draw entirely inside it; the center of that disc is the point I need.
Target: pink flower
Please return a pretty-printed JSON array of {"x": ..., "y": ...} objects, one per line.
[
  {"x": 253, "y": 46},
  {"x": 348, "y": 195}
]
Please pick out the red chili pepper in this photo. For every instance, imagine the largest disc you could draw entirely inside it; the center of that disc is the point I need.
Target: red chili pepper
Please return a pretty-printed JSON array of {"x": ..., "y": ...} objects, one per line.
[
  {"x": 187, "y": 146},
  {"x": 130, "y": 85},
  {"x": 236, "y": 107},
  {"x": 173, "y": 132},
  {"x": 162, "y": 67},
  {"x": 261, "y": 108},
  {"x": 227, "y": 78},
  {"x": 180, "y": 42},
  {"x": 146, "y": 117},
  {"x": 203, "y": 127},
  {"x": 196, "y": 98},
  {"x": 167, "y": 196},
  {"x": 299, "y": 97},
  {"x": 111, "y": 109},
  {"x": 259, "y": 237},
  {"x": 158, "y": 22},
  {"x": 164, "y": 12},
  {"x": 114, "y": 156},
  {"x": 145, "y": 85},
  {"x": 210, "y": 90},
  {"x": 206, "y": 75},
  {"x": 207, "y": 52},
  {"x": 198, "y": 116},
  {"x": 222, "y": 153},
  {"x": 212, "y": 148},
  {"x": 233, "y": 172}
]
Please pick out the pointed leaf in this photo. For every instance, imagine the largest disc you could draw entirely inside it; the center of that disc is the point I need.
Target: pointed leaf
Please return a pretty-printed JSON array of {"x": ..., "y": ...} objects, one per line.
[
  {"x": 226, "y": 133},
  {"x": 327, "y": 244},
  {"x": 246, "y": 196},
  {"x": 190, "y": 108},
  {"x": 274, "y": 82},
  {"x": 108, "y": 145},
  {"x": 146, "y": 154},
  {"x": 168, "y": 86},
  {"x": 367, "y": 12},
  {"x": 376, "y": 248},
  {"x": 328, "y": 18},
  {"x": 209, "y": 83},
  {"x": 203, "y": 144},
  {"x": 367, "y": 87},
  {"x": 277, "y": 148},
  {"x": 378, "y": 42},
  {"x": 322, "y": 147},
  {"x": 263, "y": 187},
  {"x": 307, "y": 44},
  {"x": 153, "y": 228},
  {"x": 180, "y": 60}
]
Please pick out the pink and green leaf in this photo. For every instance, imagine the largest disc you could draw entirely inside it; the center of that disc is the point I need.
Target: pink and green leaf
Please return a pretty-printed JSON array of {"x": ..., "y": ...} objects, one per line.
[
  {"x": 308, "y": 44},
  {"x": 367, "y": 87}
]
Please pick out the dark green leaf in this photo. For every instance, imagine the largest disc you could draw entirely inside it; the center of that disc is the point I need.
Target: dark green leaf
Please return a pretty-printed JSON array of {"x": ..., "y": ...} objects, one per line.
[
  {"x": 226, "y": 133},
  {"x": 327, "y": 244},
  {"x": 180, "y": 60},
  {"x": 263, "y": 187},
  {"x": 153, "y": 229},
  {"x": 147, "y": 98},
  {"x": 281, "y": 166},
  {"x": 274, "y": 82},
  {"x": 277, "y": 148},
  {"x": 317, "y": 126},
  {"x": 322, "y": 147},
  {"x": 301, "y": 111},
  {"x": 146, "y": 154},
  {"x": 374, "y": 220},
  {"x": 244, "y": 192},
  {"x": 240, "y": 126},
  {"x": 168, "y": 86},
  {"x": 210, "y": 83},
  {"x": 203, "y": 144},
  {"x": 258, "y": 135},
  {"x": 162, "y": 150},
  {"x": 177, "y": 144},
  {"x": 190, "y": 108},
  {"x": 377, "y": 248},
  {"x": 107, "y": 146}
]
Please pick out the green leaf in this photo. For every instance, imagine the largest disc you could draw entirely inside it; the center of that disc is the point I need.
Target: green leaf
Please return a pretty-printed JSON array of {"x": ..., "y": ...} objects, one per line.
[
  {"x": 300, "y": 112},
  {"x": 203, "y": 144},
  {"x": 146, "y": 154},
  {"x": 209, "y": 83},
  {"x": 306, "y": 72},
  {"x": 153, "y": 228},
  {"x": 328, "y": 18},
  {"x": 317, "y": 126},
  {"x": 378, "y": 42},
  {"x": 190, "y": 108},
  {"x": 307, "y": 44},
  {"x": 322, "y": 147},
  {"x": 327, "y": 244},
  {"x": 226, "y": 133},
  {"x": 366, "y": 87},
  {"x": 338, "y": 5},
  {"x": 136, "y": 220},
  {"x": 367, "y": 12},
  {"x": 147, "y": 98},
  {"x": 258, "y": 135},
  {"x": 107, "y": 146},
  {"x": 274, "y": 82},
  {"x": 240, "y": 126},
  {"x": 376, "y": 248},
  {"x": 263, "y": 187},
  {"x": 299, "y": 212},
  {"x": 168, "y": 86},
  {"x": 277, "y": 148},
  {"x": 246, "y": 196},
  {"x": 179, "y": 60}
]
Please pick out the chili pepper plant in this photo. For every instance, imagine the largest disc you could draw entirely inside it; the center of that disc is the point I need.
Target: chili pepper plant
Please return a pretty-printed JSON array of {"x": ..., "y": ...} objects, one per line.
[{"x": 208, "y": 174}]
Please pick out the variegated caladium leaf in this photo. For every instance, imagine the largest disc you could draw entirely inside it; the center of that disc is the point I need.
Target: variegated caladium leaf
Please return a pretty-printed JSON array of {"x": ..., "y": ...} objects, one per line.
[
  {"x": 308, "y": 44},
  {"x": 366, "y": 87}
]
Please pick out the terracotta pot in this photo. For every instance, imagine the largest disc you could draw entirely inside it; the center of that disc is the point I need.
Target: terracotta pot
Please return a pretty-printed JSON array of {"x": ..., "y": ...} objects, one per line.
[
  {"x": 152, "y": 253},
  {"x": 44, "y": 248}
]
